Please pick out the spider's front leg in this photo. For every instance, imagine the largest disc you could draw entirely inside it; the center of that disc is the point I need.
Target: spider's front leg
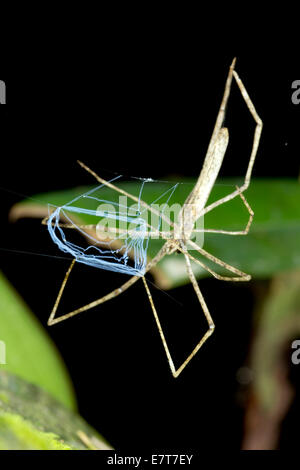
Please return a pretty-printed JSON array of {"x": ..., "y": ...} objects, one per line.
[
  {"x": 115, "y": 293},
  {"x": 255, "y": 144}
]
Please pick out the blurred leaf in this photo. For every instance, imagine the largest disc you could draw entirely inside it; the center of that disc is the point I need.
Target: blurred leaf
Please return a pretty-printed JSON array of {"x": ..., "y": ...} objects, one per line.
[
  {"x": 278, "y": 323},
  {"x": 31, "y": 419},
  {"x": 271, "y": 393},
  {"x": 29, "y": 351},
  {"x": 271, "y": 246}
]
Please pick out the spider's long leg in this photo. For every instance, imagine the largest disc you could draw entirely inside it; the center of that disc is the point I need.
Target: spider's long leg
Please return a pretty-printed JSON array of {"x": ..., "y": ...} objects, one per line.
[
  {"x": 170, "y": 360},
  {"x": 68, "y": 225},
  {"x": 256, "y": 139},
  {"x": 153, "y": 232},
  {"x": 209, "y": 319},
  {"x": 238, "y": 232},
  {"x": 211, "y": 325},
  {"x": 115, "y": 293},
  {"x": 149, "y": 234},
  {"x": 241, "y": 275},
  {"x": 52, "y": 320},
  {"x": 222, "y": 109},
  {"x": 215, "y": 151},
  {"x": 125, "y": 193}
]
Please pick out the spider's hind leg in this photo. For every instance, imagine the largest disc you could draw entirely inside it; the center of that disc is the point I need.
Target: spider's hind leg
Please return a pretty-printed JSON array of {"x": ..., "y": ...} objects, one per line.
[
  {"x": 255, "y": 144},
  {"x": 241, "y": 276},
  {"x": 68, "y": 225},
  {"x": 245, "y": 231},
  {"x": 211, "y": 326}
]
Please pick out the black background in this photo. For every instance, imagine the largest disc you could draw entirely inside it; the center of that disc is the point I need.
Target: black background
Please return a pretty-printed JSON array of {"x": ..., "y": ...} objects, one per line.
[{"x": 140, "y": 102}]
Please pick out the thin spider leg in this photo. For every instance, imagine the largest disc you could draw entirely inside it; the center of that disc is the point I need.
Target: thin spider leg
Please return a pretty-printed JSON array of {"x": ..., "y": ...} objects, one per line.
[
  {"x": 111, "y": 295},
  {"x": 211, "y": 325},
  {"x": 74, "y": 226},
  {"x": 170, "y": 360},
  {"x": 256, "y": 139},
  {"x": 153, "y": 233},
  {"x": 67, "y": 225},
  {"x": 222, "y": 109},
  {"x": 238, "y": 232},
  {"x": 125, "y": 193},
  {"x": 51, "y": 320},
  {"x": 241, "y": 275},
  {"x": 198, "y": 196},
  {"x": 209, "y": 319},
  {"x": 115, "y": 293}
]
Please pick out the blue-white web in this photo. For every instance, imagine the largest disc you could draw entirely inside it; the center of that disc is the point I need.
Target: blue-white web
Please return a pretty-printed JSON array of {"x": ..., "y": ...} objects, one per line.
[{"x": 121, "y": 253}]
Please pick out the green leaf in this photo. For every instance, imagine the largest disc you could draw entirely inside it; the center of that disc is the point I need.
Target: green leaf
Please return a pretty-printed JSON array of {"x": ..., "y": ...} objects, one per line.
[
  {"x": 271, "y": 246},
  {"x": 29, "y": 351},
  {"x": 31, "y": 419}
]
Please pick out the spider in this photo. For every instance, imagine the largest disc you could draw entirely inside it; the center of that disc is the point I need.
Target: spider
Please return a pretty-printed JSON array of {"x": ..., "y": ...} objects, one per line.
[{"x": 179, "y": 239}]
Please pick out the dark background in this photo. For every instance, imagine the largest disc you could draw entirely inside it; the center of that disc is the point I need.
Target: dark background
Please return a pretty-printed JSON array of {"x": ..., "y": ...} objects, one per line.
[{"x": 144, "y": 104}]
